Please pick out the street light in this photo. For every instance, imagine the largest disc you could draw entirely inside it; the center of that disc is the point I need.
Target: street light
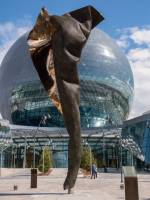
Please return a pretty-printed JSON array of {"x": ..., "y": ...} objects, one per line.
[
  {"x": 119, "y": 136},
  {"x": 108, "y": 125},
  {"x": 104, "y": 160},
  {"x": 25, "y": 151},
  {"x": 43, "y": 120},
  {"x": 90, "y": 155},
  {"x": 34, "y": 170},
  {"x": 121, "y": 158},
  {"x": 43, "y": 158},
  {"x": 52, "y": 146}
]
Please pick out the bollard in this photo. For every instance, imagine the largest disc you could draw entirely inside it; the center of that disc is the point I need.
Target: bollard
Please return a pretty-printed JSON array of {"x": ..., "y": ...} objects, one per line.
[
  {"x": 34, "y": 178},
  {"x": 15, "y": 187},
  {"x": 131, "y": 183}
]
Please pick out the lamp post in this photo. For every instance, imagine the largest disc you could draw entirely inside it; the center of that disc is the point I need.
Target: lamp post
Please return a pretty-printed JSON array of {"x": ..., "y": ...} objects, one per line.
[
  {"x": 34, "y": 153},
  {"x": 1, "y": 163},
  {"x": 120, "y": 145},
  {"x": 121, "y": 167},
  {"x": 121, "y": 160},
  {"x": 131, "y": 153},
  {"x": 104, "y": 160},
  {"x": 108, "y": 124},
  {"x": 132, "y": 159},
  {"x": 43, "y": 120},
  {"x": 14, "y": 159},
  {"x": 53, "y": 149},
  {"x": 25, "y": 151},
  {"x": 119, "y": 136},
  {"x": 13, "y": 153},
  {"x": 43, "y": 158},
  {"x": 34, "y": 170}
]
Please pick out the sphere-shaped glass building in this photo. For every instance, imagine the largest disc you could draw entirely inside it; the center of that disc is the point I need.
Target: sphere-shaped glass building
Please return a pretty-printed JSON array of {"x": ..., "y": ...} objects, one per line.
[{"x": 106, "y": 83}]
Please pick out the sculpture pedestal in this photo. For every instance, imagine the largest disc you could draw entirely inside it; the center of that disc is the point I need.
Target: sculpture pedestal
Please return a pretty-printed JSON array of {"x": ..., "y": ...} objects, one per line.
[{"x": 71, "y": 191}]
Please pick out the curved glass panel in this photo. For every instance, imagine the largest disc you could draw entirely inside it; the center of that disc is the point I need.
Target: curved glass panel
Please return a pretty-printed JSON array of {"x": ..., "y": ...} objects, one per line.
[
  {"x": 136, "y": 138},
  {"x": 29, "y": 102},
  {"x": 102, "y": 61},
  {"x": 106, "y": 85}
]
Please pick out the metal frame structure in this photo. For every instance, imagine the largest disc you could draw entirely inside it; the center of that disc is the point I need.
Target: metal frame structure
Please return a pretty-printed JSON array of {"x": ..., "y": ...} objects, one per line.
[{"x": 57, "y": 138}]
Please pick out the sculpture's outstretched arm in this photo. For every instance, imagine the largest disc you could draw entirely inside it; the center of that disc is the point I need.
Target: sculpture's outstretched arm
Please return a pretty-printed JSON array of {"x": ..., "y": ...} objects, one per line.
[{"x": 70, "y": 33}]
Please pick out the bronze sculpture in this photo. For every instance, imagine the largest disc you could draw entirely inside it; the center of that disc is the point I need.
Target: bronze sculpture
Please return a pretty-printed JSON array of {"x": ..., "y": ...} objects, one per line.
[{"x": 55, "y": 44}]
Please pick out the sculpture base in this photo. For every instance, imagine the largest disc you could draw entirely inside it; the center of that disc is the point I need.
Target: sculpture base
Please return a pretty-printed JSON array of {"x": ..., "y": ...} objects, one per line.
[{"x": 71, "y": 191}]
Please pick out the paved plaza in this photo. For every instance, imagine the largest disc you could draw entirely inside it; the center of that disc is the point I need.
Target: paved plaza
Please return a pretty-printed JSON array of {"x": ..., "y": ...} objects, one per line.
[{"x": 105, "y": 187}]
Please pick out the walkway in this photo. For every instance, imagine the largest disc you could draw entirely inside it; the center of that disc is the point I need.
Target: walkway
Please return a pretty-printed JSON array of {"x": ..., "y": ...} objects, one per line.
[{"x": 105, "y": 187}]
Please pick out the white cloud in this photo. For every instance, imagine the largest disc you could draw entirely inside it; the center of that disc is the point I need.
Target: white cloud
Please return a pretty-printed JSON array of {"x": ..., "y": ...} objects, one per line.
[
  {"x": 141, "y": 36},
  {"x": 138, "y": 53},
  {"x": 123, "y": 40},
  {"x": 122, "y": 43},
  {"x": 10, "y": 32}
]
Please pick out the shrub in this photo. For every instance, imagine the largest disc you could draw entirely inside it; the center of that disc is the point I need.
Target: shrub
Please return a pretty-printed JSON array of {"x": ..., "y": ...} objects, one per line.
[
  {"x": 86, "y": 158},
  {"x": 48, "y": 161}
]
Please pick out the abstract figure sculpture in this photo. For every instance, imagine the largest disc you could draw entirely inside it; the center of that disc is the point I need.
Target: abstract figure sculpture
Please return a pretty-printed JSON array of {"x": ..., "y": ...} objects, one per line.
[{"x": 55, "y": 44}]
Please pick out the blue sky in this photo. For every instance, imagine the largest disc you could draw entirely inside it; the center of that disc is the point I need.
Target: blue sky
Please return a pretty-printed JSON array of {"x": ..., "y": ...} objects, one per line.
[
  {"x": 127, "y": 21},
  {"x": 117, "y": 13}
]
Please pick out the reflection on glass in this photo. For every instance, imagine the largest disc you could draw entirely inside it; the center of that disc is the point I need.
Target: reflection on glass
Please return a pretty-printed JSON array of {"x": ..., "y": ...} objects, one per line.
[{"x": 136, "y": 138}]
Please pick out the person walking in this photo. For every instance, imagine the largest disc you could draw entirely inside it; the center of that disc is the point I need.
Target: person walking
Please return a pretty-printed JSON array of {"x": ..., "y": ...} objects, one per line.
[{"x": 94, "y": 171}]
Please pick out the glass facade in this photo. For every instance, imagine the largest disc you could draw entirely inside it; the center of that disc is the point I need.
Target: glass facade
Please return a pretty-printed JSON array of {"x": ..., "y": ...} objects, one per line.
[
  {"x": 106, "y": 86},
  {"x": 136, "y": 137},
  {"x": 29, "y": 102},
  {"x": 107, "y": 89}
]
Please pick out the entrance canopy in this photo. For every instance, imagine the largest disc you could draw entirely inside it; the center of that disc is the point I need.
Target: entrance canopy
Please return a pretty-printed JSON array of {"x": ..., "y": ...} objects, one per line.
[{"x": 57, "y": 138}]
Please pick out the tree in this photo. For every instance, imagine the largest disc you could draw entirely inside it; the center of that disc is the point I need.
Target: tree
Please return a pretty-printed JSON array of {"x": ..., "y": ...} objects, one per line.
[
  {"x": 86, "y": 158},
  {"x": 48, "y": 161}
]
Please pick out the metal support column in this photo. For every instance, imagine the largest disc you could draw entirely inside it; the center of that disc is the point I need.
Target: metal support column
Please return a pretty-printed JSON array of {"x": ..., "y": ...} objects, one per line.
[
  {"x": 1, "y": 160},
  {"x": 25, "y": 150},
  {"x": 34, "y": 154},
  {"x": 14, "y": 159},
  {"x": 104, "y": 160},
  {"x": 132, "y": 159},
  {"x": 121, "y": 162},
  {"x": 43, "y": 159},
  {"x": 90, "y": 158}
]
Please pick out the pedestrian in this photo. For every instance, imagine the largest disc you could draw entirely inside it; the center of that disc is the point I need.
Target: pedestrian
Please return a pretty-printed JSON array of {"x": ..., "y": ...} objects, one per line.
[{"x": 94, "y": 171}]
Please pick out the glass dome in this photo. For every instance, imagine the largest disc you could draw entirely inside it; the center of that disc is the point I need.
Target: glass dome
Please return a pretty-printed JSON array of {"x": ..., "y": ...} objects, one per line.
[{"x": 106, "y": 85}]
